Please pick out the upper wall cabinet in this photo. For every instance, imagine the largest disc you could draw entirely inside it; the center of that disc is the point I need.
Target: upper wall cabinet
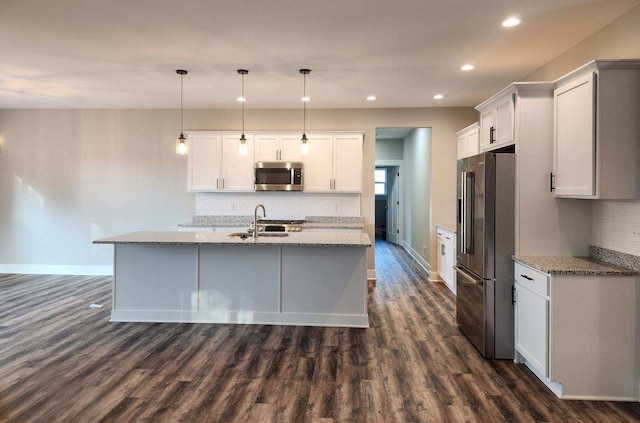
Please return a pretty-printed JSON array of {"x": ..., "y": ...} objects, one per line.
[
  {"x": 215, "y": 164},
  {"x": 497, "y": 124},
  {"x": 597, "y": 131},
  {"x": 469, "y": 141},
  {"x": 275, "y": 147},
  {"x": 334, "y": 163}
]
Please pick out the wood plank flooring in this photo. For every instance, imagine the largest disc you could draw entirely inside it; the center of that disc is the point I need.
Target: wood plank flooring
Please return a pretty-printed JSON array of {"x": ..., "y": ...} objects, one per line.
[{"x": 61, "y": 361}]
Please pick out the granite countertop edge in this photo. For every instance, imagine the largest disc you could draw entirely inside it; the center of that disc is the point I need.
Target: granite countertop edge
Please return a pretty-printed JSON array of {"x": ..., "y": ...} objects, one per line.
[
  {"x": 315, "y": 239},
  {"x": 337, "y": 222},
  {"x": 565, "y": 265}
]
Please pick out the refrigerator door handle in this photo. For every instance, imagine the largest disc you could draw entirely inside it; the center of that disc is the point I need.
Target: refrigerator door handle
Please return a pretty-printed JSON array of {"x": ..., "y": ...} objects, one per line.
[
  {"x": 464, "y": 278},
  {"x": 468, "y": 208}
]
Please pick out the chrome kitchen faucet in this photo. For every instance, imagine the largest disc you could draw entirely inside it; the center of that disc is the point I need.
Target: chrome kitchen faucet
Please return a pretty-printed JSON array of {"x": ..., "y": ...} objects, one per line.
[{"x": 255, "y": 219}]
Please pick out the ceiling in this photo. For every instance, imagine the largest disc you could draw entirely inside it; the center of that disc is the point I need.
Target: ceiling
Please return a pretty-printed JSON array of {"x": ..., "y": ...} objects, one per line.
[{"x": 124, "y": 53}]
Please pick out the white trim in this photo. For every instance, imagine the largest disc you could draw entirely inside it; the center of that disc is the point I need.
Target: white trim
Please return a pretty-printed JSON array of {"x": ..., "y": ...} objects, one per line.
[
  {"x": 418, "y": 258},
  {"x": 241, "y": 317},
  {"x": 371, "y": 275},
  {"x": 56, "y": 269}
]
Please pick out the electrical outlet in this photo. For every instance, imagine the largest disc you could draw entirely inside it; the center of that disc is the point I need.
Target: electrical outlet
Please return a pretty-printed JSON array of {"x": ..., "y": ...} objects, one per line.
[
  {"x": 600, "y": 229},
  {"x": 424, "y": 251},
  {"x": 232, "y": 206}
]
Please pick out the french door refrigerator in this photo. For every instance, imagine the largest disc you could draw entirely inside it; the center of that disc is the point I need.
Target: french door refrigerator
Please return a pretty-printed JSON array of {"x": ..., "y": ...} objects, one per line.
[{"x": 485, "y": 244}]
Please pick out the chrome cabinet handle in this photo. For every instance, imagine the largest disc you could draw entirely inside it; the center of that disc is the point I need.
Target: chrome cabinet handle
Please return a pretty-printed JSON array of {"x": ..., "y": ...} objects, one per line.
[{"x": 217, "y": 183}]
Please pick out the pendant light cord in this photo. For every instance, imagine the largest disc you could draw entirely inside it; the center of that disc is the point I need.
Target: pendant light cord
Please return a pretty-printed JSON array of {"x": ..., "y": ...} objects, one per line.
[
  {"x": 243, "y": 101},
  {"x": 304, "y": 104},
  {"x": 181, "y": 84}
]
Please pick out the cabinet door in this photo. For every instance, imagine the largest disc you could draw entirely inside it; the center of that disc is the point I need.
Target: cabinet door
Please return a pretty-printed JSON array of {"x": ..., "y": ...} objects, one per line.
[
  {"x": 449, "y": 250},
  {"x": 290, "y": 148},
  {"x": 462, "y": 146},
  {"x": 532, "y": 328},
  {"x": 574, "y": 138},
  {"x": 347, "y": 163},
  {"x": 505, "y": 124},
  {"x": 267, "y": 148},
  {"x": 440, "y": 257},
  {"x": 487, "y": 128},
  {"x": 472, "y": 142},
  {"x": 204, "y": 162},
  {"x": 318, "y": 172},
  {"x": 238, "y": 172}
]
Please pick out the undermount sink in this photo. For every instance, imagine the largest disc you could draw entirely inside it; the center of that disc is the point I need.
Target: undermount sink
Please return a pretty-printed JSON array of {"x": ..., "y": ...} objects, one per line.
[{"x": 260, "y": 235}]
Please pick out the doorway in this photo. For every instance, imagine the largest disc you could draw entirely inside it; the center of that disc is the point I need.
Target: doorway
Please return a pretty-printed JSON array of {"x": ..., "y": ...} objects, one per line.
[{"x": 387, "y": 210}]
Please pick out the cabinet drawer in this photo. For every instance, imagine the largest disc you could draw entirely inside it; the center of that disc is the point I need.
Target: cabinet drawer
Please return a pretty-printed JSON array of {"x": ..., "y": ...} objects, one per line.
[{"x": 536, "y": 281}]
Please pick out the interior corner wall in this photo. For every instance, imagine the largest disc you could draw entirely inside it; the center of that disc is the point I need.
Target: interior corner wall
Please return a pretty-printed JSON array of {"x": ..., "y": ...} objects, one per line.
[
  {"x": 68, "y": 177},
  {"x": 612, "y": 220}
]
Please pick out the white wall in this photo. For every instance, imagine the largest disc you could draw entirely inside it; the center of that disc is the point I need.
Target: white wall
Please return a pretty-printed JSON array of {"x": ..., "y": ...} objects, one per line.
[
  {"x": 70, "y": 176},
  {"x": 389, "y": 149},
  {"x": 417, "y": 194}
]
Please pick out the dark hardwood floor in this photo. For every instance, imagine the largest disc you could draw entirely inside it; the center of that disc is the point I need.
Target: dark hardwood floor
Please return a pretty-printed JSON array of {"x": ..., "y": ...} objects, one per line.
[{"x": 61, "y": 361}]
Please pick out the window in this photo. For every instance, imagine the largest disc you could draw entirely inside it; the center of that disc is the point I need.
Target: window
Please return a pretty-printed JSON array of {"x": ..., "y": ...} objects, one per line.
[{"x": 381, "y": 181}]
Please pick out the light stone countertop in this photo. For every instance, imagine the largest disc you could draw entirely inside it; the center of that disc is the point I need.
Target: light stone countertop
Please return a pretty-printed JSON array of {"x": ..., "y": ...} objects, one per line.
[
  {"x": 329, "y": 222},
  {"x": 559, "y": 265},
  {"x": 298, "y": 239}
]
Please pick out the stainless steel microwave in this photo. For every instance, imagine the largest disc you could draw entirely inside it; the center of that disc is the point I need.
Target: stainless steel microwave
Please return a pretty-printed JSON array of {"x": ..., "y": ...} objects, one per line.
[{"x": 278, "y": 176}]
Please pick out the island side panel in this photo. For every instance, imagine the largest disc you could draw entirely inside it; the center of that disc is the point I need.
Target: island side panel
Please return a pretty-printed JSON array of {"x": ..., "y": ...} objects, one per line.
[
  {"x": 326, "y": 281},
  {"x": 239, "y": 279},
  {"x": 155, "y": 278}
]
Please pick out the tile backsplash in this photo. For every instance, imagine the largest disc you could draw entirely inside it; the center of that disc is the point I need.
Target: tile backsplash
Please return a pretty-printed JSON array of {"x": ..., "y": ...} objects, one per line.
[
  {"x": 279, "y": 205},
  {"x": 616, "y": 226}
]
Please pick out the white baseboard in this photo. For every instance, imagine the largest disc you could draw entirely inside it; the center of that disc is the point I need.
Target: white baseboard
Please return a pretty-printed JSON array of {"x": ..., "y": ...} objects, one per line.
[
  {"x": 421, "y": 261},
  {"x": 56, "y": 269},
  {"x": 371, "y": 274}
]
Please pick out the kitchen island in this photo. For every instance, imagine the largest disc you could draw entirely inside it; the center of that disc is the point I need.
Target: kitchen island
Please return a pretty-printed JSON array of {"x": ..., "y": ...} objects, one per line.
[{"x": 312, "y": 279}]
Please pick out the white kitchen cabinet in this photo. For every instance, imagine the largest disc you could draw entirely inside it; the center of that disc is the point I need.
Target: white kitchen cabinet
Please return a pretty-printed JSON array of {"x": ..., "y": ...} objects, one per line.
[
  {"x": 446, "y": 257},
  {"x": 278, "y": 147},
  {"x": 469, "y": 141},
  {"x": 204, "y": 161},
  {"x": 497, "y": 120},
  {"x": 237, "y": 169},
  {"x": 532, "y": 317},
  {"x": 334, "y": 163},
  {"x": 577, "y": 333},
  {"x": 215, "y": 164},
  {"x": 596, "y": 132}
]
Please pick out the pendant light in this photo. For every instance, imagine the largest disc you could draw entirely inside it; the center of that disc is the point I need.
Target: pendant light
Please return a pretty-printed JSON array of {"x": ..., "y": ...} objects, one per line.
[
  {"x": 242, "y": 147},
  {"x": 304, "y": 146},
  {"x": 181, "y": 146}
]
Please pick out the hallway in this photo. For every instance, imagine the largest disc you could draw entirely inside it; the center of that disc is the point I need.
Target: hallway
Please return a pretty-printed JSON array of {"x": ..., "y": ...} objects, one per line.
[{"x": 61, "y": 361}]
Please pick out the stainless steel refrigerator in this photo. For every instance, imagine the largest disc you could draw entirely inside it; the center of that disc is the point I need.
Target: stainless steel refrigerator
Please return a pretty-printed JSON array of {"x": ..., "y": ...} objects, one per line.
[{"x": 485, "y": 243}]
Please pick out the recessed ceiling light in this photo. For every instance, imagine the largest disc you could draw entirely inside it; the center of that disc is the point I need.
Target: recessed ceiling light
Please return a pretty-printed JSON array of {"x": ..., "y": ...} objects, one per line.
[
  {"x": 507, "y": 23},
  {"x": 438, "y": 96},
  {"x": 371, "y": 98},
  {"x": 467, "y": 67},
  {"x": 241, "y": 99},
  {"x": 306, "y": 99}
]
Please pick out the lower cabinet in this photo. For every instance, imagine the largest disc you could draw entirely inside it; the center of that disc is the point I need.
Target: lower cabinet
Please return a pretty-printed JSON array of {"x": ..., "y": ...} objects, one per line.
[
  {"x": 577, "y": 333},
  {"x": 446, "y": 257}
]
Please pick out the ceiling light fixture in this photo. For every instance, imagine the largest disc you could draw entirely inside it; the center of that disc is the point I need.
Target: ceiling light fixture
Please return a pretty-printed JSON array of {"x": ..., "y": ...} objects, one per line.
[
  {"x": 304, "y": 147},
  {"x": 510, "y": 22},
  {"x": 181, "y": 146},
  {"x": 467, "y": 67},
  {"x": 242, "y": 147},
  {"x": 371, "y": 98},
  {"x": 438, "y": 96}
]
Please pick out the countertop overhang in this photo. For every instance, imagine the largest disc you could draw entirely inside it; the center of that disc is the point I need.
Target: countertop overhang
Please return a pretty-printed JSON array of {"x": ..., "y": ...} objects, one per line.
[{"x": 301, "y": 239}]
